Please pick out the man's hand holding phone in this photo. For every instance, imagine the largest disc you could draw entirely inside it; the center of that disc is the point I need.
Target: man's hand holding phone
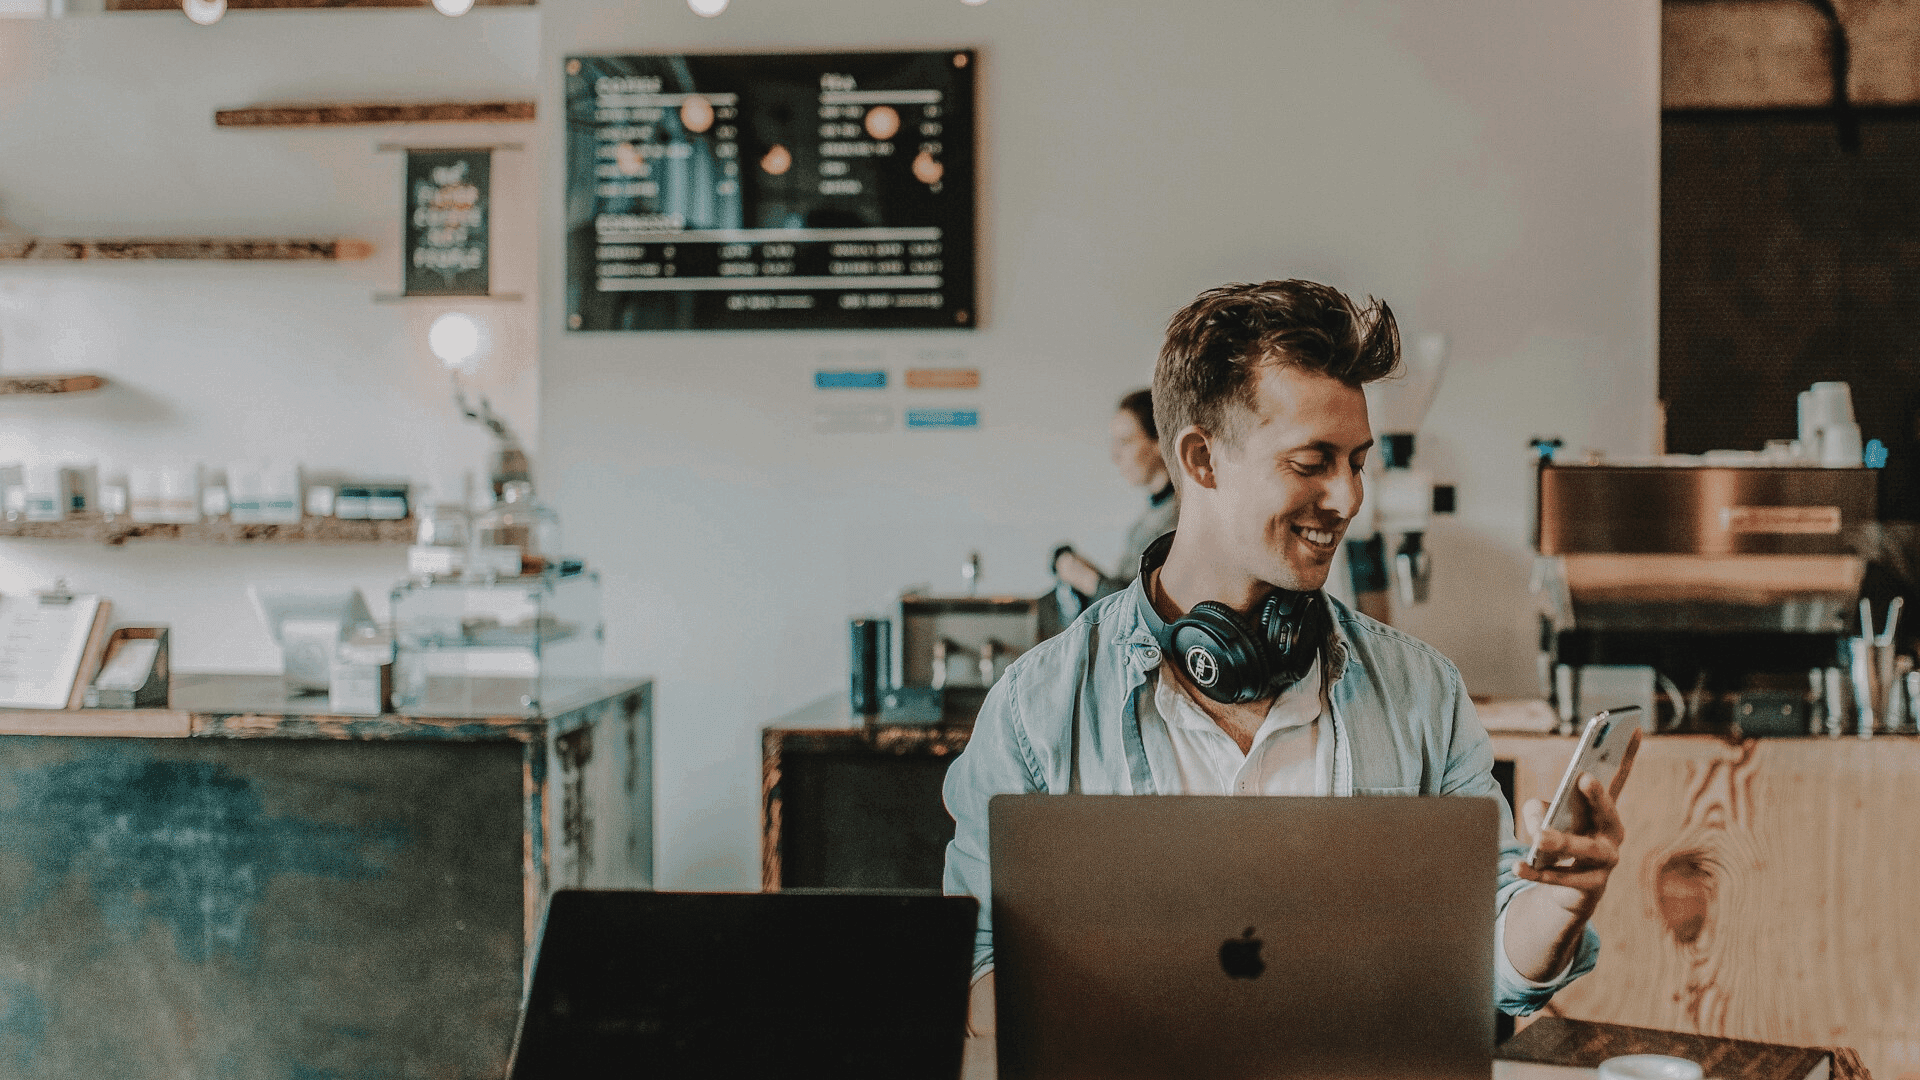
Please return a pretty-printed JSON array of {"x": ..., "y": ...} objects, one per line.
[{"x": 1577, "y": 844}]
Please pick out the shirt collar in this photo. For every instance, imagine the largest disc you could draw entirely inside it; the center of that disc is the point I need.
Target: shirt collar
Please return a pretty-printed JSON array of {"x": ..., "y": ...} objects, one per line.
[{"x": 1177, "y": 707}]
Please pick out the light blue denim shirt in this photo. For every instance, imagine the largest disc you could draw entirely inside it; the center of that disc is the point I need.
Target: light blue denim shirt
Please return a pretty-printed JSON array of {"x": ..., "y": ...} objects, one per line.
[{"x": 1065, "y": 718}]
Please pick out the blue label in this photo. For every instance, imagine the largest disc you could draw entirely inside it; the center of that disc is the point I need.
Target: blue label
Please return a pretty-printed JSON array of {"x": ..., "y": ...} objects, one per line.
[
  {"x": 947, "y": 418},
  {"x": 849, "y": 380}
]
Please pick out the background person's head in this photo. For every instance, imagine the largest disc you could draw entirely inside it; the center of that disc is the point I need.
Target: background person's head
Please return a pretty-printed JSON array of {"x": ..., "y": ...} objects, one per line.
[
  {"x": 1135, "y": 447},
  {"x": 1263, "y": 423}
]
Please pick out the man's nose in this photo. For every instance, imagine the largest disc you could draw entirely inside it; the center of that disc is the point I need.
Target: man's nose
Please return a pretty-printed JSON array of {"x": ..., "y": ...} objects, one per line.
[{"x": 1343, "y": 494}]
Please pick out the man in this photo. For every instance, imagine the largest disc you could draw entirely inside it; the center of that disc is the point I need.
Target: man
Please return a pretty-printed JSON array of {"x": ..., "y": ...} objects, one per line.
[{"x": 1264, "y": 425}]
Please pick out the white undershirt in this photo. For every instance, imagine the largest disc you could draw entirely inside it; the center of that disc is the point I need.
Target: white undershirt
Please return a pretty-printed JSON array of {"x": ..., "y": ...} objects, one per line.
[{"x": 1290, "y": 753}]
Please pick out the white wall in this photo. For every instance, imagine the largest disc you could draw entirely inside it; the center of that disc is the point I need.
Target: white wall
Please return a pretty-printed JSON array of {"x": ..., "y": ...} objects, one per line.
[
  {"x": 1488, "y": 166},
  {"x": 106, "y": 129}
]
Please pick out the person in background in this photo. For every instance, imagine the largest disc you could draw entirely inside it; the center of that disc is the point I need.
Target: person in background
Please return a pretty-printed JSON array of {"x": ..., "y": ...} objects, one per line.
[{"x": 1135, "y": 450}]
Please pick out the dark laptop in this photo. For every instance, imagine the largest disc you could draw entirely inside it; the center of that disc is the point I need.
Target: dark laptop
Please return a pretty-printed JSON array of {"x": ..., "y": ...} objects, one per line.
[
  {"x": 752, "y": 985},
  {"x": 1228, "y": 938}
]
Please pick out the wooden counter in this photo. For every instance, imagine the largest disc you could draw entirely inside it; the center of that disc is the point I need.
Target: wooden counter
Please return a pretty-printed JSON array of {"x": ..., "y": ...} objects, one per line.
[
  {"x": 1768, "y": 890},
  {"x": 246, "y": 884}
]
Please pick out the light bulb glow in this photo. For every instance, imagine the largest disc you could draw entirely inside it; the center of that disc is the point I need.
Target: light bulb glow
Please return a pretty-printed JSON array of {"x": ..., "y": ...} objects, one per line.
[
  {"x": 204, "y": 12},
  {"x": 707, "y": 9},
  {"x": 453, "y": 8},
  {"x": 454, "y": 338}
]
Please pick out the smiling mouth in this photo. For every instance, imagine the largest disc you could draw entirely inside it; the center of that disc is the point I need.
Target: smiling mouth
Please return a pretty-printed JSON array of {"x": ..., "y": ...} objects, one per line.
[{"x": 1319, "y": 538}]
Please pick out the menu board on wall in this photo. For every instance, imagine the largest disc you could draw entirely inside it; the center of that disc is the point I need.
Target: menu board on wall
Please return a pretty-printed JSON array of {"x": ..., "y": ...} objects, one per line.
[
  {"x": 447, "y": 222},
  {"x": 766, "y": 191}
]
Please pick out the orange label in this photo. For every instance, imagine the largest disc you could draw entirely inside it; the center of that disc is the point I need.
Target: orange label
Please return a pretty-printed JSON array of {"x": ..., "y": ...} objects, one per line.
[
  {"x": 1784, "y": 520},
  {"x": 949, "y": 378}
]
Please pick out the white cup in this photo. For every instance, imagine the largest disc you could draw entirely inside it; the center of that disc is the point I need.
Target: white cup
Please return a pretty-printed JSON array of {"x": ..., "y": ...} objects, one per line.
[
  {"x": 1649, "y": 1067},
  {"x": 1830, "y": 403},
  {"x": 1840, "y": 445}
]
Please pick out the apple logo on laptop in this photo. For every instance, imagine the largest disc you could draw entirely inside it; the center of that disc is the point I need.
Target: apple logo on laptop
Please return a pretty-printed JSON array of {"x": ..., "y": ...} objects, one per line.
[{"x": 1240, "y": 957}]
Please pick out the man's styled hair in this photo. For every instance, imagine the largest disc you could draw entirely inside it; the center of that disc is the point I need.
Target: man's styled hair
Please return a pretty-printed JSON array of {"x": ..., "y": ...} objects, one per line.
[
  {"x": 1216, "y": 344},
  {"x": 1140, "y": 404}
]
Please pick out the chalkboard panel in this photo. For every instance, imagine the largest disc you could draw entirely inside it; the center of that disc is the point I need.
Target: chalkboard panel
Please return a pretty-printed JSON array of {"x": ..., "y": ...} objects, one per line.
[
  {"x": 864, "y": 821},
  {"x": 258, "y": 907},
  {"x": 447, "y": 201},
  {"x": 822, "y": 190}
]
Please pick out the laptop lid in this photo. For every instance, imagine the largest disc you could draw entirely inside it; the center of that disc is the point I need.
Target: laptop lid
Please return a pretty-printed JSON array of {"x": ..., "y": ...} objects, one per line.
[
  {"x": 1178, "y": 936},
  {"x": 762, "y": 985}
]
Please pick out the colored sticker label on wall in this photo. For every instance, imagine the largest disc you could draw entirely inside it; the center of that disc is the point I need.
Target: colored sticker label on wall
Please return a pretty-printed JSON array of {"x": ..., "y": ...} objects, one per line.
[
  {"x": 943, "y": 378},
  {"x": 943, "y": 418},
  {"x": 850, "y": 380}
]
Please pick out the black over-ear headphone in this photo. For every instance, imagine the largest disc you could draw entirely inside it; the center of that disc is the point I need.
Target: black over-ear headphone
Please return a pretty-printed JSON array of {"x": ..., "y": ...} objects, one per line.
[{"x": 1232, "y": 662}]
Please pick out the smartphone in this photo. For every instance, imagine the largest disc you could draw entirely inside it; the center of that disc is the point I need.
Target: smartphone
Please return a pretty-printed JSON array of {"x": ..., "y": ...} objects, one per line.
[{"x": 1602, "y": 750}]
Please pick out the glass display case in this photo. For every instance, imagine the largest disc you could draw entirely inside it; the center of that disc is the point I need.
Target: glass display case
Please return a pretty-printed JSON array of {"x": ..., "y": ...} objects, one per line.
[{"x": 498, "y": 646}]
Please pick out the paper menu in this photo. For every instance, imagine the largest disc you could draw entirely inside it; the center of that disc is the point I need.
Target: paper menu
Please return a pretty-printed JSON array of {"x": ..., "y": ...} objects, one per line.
[{"x": 43, "y": 642}]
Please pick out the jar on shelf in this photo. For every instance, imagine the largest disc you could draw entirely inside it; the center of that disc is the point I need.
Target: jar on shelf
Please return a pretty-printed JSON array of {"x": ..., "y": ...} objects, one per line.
[
  {"x": 442, "y": 535},
  {"x": 519, "y": 523}
]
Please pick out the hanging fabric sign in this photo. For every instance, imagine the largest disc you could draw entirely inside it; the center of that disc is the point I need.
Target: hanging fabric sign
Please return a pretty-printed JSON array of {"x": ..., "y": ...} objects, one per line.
[{"x": 447, "y": 212}]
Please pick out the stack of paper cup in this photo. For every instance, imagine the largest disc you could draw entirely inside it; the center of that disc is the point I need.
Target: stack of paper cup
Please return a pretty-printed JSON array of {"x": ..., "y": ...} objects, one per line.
[{"x": 1828, "y": 433}]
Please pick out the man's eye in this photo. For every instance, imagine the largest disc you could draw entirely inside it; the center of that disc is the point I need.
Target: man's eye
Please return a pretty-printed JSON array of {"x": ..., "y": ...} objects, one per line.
[{"x": 1309, "y": 468}]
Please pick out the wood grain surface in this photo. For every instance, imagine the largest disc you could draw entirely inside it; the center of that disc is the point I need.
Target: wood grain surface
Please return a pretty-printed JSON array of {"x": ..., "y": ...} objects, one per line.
[
  {"x": 442, "y": 112},
  {"x": 1767, "y": 891},
  {"x": 49, "y": 384},
  {"x": 1587, "y": 1044},
  {"x": 246, "y": 249},
  {"x": 312, "y": 530}
]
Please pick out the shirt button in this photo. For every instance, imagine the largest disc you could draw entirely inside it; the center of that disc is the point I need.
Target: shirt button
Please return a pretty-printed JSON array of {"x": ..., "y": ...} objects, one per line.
[{"x": 1152, "y": 654}]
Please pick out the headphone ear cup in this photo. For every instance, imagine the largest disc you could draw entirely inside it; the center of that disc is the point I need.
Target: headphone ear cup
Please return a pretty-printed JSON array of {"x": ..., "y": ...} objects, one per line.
[
  {"x": 1219, "y": 656},
  {"x": 1293, "y": 624}
]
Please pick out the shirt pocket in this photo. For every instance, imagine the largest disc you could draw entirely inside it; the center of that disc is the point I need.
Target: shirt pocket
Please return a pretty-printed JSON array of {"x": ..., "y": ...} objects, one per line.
[{"x": 1366, "y": 791}]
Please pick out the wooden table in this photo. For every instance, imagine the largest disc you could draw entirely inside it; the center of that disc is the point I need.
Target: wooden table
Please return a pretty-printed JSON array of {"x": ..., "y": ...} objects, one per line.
[
  {"x": 245, "y": 884},
  {"x": 1768, "y": 890}
]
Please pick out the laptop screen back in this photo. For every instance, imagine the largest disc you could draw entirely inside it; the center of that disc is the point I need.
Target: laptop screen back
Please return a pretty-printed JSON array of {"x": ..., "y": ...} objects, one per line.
[
  {"x": 1243, "y": 937},
  {"x": 648, "y": 984}
]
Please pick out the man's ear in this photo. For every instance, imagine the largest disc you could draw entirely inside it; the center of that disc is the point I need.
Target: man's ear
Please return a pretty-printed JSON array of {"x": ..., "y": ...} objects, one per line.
[{"x": 1194, "y": 450}]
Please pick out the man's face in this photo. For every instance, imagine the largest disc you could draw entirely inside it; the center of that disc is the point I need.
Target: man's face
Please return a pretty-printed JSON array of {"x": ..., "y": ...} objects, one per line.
[{"x": 1287, "y": 489}]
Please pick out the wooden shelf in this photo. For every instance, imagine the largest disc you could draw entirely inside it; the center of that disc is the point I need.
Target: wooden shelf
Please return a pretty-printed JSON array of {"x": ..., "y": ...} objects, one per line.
[
  {"x": 49, "y": 384},
  {"x": 313, "y": 530},
  {"x": 245, "y": 249},
  {"x": 443, "y": 112}
]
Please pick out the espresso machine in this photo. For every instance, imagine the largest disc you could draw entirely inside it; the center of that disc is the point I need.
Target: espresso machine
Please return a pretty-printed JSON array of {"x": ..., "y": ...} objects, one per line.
[{"x": 1715, "y": 596}]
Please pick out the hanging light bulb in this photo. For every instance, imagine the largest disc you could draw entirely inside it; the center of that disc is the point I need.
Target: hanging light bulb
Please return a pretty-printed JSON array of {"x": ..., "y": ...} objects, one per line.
[
  {"x": 454, "y": 338},
  {"x": 204, "y": 12},
  {"x": 453, "y": 8},
  {"x": 707, "y": 9}
]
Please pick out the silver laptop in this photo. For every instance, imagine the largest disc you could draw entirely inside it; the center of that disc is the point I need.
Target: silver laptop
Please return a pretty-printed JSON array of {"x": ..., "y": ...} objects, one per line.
[{"x": 1220, "y": 937}]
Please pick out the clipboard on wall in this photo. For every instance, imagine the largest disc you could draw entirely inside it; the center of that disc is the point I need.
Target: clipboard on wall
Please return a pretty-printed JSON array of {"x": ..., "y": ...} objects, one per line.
[{"x": 51, "y": 644}]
